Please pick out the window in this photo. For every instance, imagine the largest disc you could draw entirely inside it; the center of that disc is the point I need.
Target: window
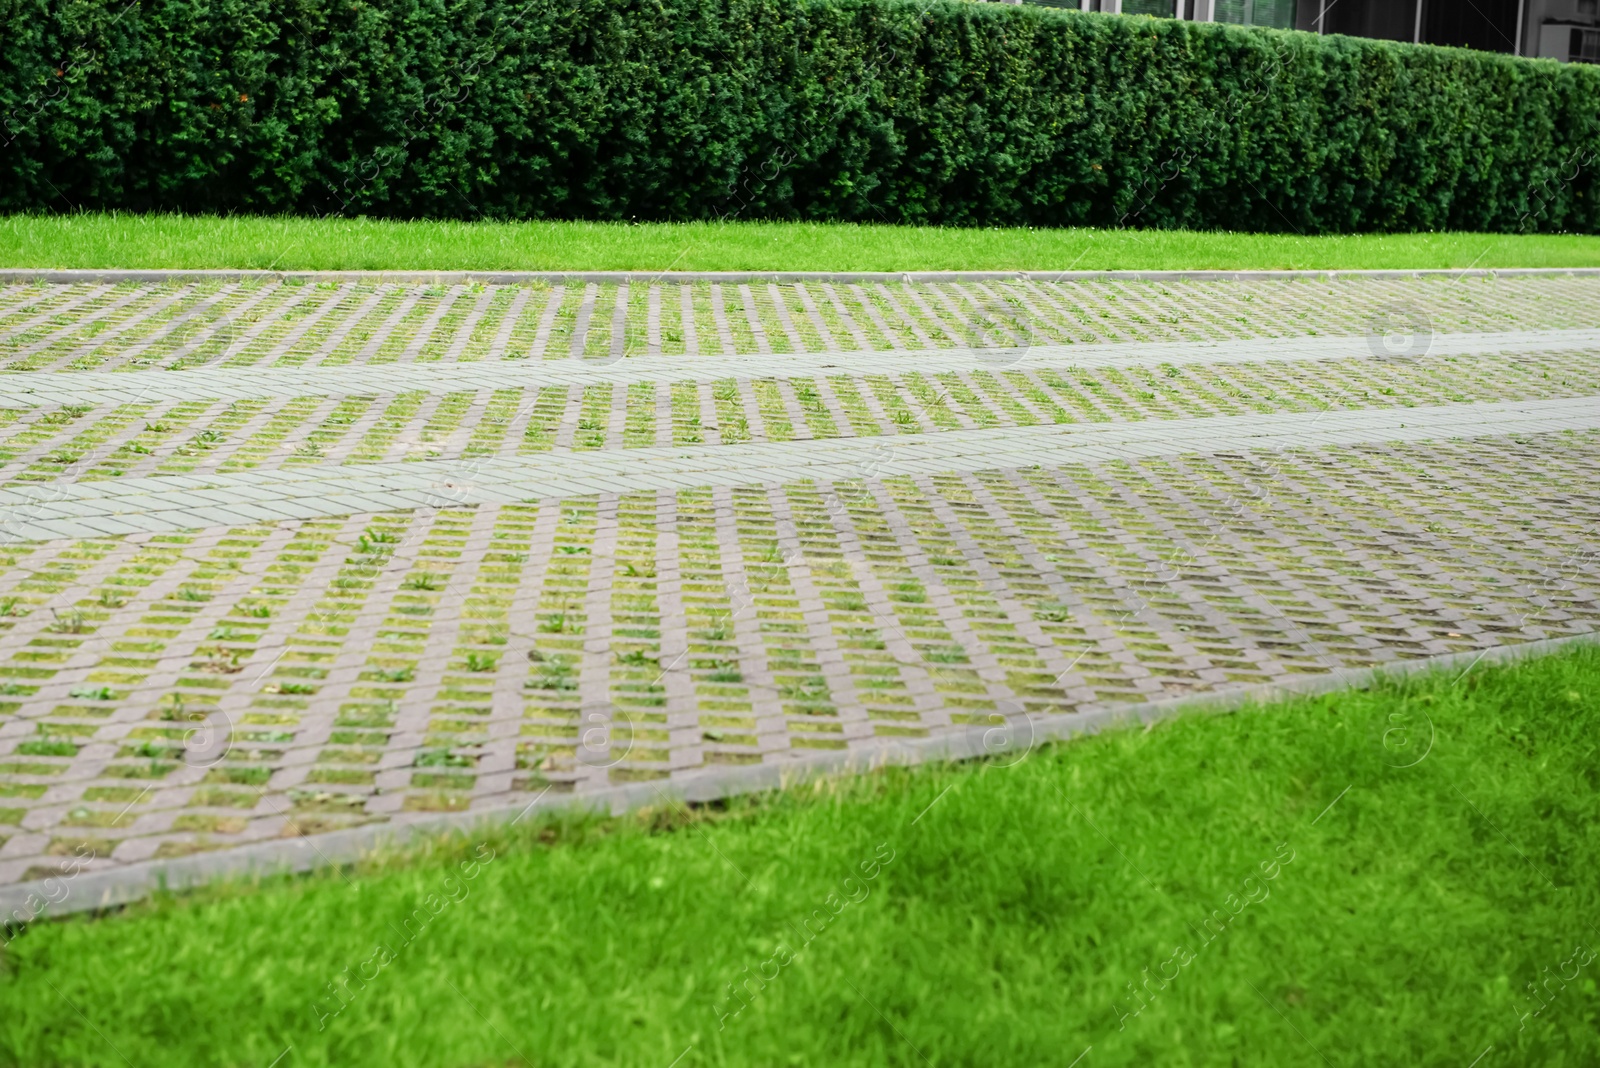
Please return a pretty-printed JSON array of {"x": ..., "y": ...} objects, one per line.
[
  {"x": 1279, "y": 14},
  {"x": 1161, "y": 8},
  {"x": 1584, "y": 46}
]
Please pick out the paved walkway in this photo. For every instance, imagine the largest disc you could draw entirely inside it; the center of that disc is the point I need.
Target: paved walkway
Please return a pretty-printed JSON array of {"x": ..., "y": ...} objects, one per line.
[{"x": 283, "y": 559}]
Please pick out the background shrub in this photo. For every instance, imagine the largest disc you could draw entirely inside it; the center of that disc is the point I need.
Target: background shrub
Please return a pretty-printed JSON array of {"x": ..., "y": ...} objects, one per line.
[{"x": 868, "y": 110}]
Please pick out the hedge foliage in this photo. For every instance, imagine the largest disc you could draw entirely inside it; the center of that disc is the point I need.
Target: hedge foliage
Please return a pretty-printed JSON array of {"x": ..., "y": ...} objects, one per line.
[{"x": 925, "y": 111}]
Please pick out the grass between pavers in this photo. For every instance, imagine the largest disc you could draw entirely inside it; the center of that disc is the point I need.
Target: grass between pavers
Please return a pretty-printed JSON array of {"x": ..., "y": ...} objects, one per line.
[
  {"x": 170, "y": 241},
  {"x": 1362, "y": 878}
]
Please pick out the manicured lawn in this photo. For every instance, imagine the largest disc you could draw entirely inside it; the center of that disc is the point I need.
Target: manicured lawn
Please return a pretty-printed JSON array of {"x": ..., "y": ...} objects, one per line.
[
  {"x": 167, "y": 241},
  {"x": 1307, "y": 897}
]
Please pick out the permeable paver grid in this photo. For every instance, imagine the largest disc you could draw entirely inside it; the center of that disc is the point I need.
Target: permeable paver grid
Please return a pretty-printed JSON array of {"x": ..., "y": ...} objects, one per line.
[{"x": 280, "y": 559}]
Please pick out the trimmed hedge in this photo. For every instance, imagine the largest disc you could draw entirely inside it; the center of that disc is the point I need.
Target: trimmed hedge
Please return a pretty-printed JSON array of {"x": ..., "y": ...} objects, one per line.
[{"x": 869, "y": 110}]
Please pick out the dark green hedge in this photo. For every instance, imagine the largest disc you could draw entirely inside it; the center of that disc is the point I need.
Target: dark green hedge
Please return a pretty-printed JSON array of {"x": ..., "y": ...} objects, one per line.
[{"x": 873, "y": 110}]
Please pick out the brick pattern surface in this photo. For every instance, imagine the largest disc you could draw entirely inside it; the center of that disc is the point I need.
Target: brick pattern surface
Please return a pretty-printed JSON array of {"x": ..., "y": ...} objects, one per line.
[{"x": 280, "y": 559}]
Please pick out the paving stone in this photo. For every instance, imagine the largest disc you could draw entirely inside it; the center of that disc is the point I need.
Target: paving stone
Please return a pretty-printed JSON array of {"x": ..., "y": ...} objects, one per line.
[{"x": 309, "y": 558}]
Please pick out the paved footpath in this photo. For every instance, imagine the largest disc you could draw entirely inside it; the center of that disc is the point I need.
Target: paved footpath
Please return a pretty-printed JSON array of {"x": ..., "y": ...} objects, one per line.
[{"x": 288, "y": 559}]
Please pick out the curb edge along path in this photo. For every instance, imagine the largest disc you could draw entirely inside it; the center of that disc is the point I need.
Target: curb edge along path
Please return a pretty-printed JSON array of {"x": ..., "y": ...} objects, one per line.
[
  {"x": 54, "y": 276},
  {"x": 32, "y": 901}
]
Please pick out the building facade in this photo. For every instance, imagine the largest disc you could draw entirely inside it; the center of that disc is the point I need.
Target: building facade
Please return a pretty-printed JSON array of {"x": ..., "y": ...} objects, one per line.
[{"x": 1566, "y": 30}]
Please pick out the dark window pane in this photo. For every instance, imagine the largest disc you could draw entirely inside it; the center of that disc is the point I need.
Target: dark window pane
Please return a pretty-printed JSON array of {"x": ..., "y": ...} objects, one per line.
[{"x": 1278, "y": 14}]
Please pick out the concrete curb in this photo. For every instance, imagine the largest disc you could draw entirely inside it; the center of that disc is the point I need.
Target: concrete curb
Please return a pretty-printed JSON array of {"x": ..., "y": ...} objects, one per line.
[
  {"x": 26, "y": 902},
  {"x": 52, "y": 276}
]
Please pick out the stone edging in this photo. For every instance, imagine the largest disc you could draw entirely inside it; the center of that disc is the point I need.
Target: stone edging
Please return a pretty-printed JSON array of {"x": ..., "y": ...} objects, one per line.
[
  {"x": 25, "y": 902},
  {"x": 54, "y": 276}
]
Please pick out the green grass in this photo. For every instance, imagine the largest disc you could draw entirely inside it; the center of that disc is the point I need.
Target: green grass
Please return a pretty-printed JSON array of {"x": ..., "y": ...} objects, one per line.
[
  {"x": 1395, "y": 916},
  {"x": 170, "y": 241}
]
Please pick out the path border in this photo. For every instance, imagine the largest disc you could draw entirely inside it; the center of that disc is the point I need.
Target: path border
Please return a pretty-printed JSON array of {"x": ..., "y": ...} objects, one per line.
[
  {"x": 216, "y": 498},
  {"x": 55, "y": 276},
  {"x": 92, "y": 891}
]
